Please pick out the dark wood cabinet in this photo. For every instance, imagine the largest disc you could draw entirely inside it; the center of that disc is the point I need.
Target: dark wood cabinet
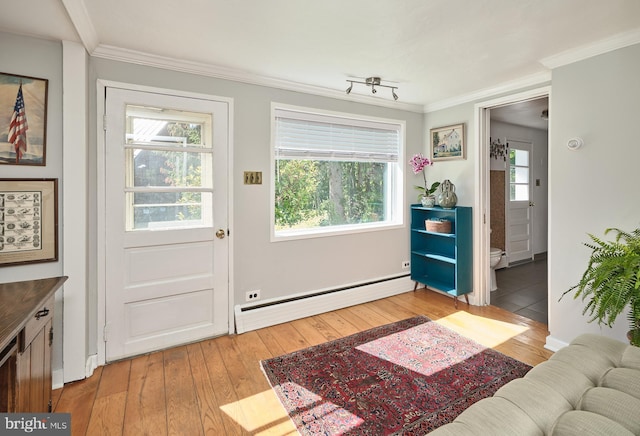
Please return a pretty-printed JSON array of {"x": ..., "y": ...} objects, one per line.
[{"x": 26, "y": 334}]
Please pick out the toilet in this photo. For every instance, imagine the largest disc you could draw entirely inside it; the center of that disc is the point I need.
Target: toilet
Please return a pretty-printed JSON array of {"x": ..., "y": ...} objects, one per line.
[{"x": 494, "y": 260}]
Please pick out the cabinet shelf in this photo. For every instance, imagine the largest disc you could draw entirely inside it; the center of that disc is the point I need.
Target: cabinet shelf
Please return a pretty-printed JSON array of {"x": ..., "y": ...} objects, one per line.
[
  {"x": 442, "y": 261},
  {"x": 442, "y": 235},
  {"x": 434, "y": 256},
  {"x": 437, "y": 284}
]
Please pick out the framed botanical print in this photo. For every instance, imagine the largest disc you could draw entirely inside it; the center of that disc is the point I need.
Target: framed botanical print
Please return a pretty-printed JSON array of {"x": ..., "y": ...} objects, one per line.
[{"x": 28, "y": 221}]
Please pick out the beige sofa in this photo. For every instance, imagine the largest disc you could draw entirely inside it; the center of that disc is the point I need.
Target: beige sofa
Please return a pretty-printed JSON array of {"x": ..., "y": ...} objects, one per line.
[{"x": 591, "y": 387}]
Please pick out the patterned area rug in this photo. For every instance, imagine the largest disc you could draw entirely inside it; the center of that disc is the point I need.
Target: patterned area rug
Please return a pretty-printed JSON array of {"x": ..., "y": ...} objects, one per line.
[{"x": 407, "y": 378}]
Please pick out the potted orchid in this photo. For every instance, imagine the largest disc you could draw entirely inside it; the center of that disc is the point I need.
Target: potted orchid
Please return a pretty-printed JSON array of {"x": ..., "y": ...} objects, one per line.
[{"x": 418, "y": 164}]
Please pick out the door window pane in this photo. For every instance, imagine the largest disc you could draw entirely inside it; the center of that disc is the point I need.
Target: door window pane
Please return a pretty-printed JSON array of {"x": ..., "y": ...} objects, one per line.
[
  {"x": 518, "y": 175},
  {"x": 153, "y": 210},
  {"x": 169, "y": 163},
  {"x": 169, "y": 168}
]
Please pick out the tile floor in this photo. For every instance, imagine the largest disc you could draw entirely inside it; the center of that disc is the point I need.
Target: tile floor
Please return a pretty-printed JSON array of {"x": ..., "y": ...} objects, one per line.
[{"x": 522, "y": 289}]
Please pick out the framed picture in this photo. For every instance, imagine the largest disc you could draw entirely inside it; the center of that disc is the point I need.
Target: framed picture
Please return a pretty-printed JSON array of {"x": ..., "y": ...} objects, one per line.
[
  {"x": 447, "y": 143},
  {"x": 23, "y": 120},
  {"x": 28, "y": 221}
]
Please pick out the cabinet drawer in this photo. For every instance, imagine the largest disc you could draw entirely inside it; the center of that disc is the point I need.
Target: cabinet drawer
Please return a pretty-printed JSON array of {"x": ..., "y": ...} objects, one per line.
[{"x": 39, "y": 320}]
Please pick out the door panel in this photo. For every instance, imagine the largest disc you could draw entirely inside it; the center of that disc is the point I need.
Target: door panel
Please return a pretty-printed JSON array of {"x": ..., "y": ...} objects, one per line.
[{"x": 166, "y": 274}]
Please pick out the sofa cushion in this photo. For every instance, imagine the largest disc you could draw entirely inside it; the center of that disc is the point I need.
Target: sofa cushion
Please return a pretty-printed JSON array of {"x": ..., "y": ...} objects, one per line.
[
  {"x": 492, "y": 416},
  {"x": 582, "y": 423},
  {"x": 563, "y": 378},
  {"x": 615, "y": 405},
  {"x": 540, "y": 402},
  {"x": 625, "y": 380},
  {"x": 631, "y": 358},
  {"x": 606, "y": 347},
  {"x": 586, "y": 360}
]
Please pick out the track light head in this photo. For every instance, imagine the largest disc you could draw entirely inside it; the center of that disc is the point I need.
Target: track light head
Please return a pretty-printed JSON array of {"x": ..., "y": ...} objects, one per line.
[{"x": 373, "y": 82}]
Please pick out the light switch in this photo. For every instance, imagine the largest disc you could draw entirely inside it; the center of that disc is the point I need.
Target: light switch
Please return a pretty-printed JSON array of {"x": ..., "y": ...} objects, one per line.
[{"x": 253, "y": 177}]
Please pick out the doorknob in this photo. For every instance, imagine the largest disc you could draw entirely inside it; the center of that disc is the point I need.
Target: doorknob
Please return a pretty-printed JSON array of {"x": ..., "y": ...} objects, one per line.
[{"x": 220, "y": 234}]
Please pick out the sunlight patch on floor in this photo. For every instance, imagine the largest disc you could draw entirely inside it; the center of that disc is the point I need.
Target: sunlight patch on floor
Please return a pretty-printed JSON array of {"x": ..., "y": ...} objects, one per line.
[
  {"x": 486, "y": 331},
  {"x": 261, "y": 413}
]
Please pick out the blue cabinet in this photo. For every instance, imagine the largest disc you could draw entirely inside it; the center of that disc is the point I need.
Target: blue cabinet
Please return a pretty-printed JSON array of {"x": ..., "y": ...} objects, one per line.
[{"x": 442, "y": 260}]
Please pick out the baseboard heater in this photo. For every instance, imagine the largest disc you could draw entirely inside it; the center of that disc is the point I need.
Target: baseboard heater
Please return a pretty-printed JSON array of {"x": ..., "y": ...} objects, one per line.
[{"x": 268, "y": 313}]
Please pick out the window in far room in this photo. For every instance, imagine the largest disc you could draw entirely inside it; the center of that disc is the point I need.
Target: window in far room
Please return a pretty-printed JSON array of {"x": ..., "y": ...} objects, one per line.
[
  {"x": 519, "y": 175},
  {"x": 334, "y": 173}
]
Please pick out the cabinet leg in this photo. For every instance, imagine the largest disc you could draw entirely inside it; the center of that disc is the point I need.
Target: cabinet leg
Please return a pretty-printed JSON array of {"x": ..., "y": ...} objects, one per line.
[
  {"x": 466, "y": 297},
  {"x": 455, "y": 302},
  {"x": 415, "y": 287}
]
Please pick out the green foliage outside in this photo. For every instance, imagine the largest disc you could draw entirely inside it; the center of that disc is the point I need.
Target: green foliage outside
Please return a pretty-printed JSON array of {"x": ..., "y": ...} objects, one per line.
[
  {"x": 169, "y": 168},
  {"x": 313, "y": 193},
  {"x": 190, "y": 174}
]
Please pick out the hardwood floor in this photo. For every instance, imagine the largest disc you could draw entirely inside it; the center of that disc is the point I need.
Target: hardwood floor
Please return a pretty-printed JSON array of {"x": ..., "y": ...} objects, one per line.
[{"x": 216, "y": 386}]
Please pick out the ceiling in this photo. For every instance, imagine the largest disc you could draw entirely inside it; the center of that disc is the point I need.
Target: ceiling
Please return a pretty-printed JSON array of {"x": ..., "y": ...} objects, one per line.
[
  {"x": 437, "y": 52},
  {"x": 524, "y": 113}
]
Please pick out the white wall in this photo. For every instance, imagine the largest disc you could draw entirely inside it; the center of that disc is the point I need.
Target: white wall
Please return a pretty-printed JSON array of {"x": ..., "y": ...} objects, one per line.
[
  {"x": 596, "y": 99},
  {"x": 540, "y": 143},
  {"x": 595, "y": 187},
  {"x": 42, "y": 59},
  {"x": 461, "y": 172},
  {"x": 282, "y": 268}
]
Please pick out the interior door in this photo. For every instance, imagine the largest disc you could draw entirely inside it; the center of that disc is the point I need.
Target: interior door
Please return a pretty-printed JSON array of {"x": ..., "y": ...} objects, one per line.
[
  {"x": 166, "y": 258},
  {"x": 520, "y": 201}
]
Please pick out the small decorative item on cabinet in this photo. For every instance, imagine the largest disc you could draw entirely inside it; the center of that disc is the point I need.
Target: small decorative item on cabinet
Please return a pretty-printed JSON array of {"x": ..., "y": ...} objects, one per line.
[
  {"x": 428, "y": 200},
  {"x": 447, "y": 198},
  {"x": 419, "y": 163},
  {"x": 438, "y": 225}
]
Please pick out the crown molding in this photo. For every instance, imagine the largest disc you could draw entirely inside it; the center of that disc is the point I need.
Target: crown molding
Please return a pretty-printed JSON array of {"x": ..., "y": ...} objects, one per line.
[
  {"x": 507, "y": 87},
  {"x": 202, "y": 69},
  {"x": 79, "y": 16},
  {"x": 615, "y": 42}
]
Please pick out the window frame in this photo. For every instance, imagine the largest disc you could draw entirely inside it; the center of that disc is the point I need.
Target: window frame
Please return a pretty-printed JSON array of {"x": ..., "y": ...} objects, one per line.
[{"x": 396, "y": 186}]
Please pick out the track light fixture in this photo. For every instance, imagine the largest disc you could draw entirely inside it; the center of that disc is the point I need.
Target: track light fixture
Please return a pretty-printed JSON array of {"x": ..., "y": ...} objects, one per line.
[{"x": 373, "y": 82}]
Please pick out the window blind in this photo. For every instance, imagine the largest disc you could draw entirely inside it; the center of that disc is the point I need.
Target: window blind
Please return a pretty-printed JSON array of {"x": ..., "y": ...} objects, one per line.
[{"x": 300, "y": 135}]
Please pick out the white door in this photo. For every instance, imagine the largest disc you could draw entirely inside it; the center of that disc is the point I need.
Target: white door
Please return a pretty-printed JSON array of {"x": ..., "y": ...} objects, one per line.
[
  {"x": 166, "y": 221},
  {"x": 520, "y": 204}
]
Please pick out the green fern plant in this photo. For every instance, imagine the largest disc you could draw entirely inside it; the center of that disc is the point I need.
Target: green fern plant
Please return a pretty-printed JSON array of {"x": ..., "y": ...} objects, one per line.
[{"x": 611, "y": 281}]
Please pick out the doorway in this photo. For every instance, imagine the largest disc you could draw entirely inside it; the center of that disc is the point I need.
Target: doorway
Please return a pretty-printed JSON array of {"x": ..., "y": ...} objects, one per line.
[
  {"x": 165, "y": 220},
  {"x": 514, "y": 137}
]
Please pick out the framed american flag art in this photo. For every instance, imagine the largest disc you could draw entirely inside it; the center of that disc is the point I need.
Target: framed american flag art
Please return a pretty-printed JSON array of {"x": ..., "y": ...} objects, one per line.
[{"x": 23, "y": 120}]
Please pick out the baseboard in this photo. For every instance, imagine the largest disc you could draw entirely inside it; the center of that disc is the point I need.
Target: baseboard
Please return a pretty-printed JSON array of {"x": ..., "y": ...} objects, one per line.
[
  {"x": 57, "y": 379},
  {"x": 91, "y": 365},
  {"x": 268, "y": 313},
  {"x": 554, "y": 344}
]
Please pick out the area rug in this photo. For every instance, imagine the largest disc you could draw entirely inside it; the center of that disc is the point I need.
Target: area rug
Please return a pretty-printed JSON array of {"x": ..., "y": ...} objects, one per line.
[{"x": 405, "y": 378}]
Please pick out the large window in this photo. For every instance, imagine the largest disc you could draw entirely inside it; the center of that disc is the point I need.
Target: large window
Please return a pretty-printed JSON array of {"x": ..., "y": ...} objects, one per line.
[{"x": 334, "y": 172}]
